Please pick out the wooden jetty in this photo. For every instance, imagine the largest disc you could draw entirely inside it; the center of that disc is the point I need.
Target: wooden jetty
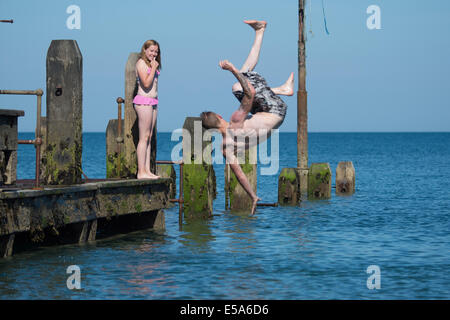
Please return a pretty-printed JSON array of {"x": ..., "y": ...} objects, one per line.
[
  {"x": 78, "y": 213},
  {"x": 59, "y": 206}
]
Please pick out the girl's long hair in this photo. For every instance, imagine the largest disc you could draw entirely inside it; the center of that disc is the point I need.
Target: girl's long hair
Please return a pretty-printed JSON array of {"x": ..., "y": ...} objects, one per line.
[{"x": 145, "y": 46}]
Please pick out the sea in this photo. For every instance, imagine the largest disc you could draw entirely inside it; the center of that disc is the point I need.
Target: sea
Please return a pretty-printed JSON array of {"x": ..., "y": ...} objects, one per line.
[{"x": 389, "y": 240}]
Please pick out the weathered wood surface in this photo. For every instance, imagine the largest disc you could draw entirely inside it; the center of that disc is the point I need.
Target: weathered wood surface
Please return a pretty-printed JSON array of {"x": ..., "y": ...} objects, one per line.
[
  {"x": 345, "y": 178},
  {"x": 289, "y": 187},
  {"x": 168, "y": 171},
  {"x": 61, "y": 161},
  {"x": 38, "y": 212},
  {"x": 115, "y": 151},
  {"x": 302, "y": 103},
  {"x": 319, "y": 181},
  {"x": 8, "y": 145},
  {"x": 199, "y": 181},
  {"x": 236, "y": 198}
]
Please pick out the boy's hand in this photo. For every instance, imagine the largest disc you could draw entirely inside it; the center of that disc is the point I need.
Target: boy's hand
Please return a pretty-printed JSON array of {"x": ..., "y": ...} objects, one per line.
[
  {"x": 226, "y": 65},
  {"x": 154, "y": 64}
]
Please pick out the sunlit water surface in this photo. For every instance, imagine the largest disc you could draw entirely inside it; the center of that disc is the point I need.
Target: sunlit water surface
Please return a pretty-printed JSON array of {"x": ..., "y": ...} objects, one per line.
[{"x": 398, "y": 219}]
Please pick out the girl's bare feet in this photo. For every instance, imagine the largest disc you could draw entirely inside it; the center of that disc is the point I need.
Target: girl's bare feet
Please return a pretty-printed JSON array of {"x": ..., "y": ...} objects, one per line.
[
  {"x": 255, "y": 24},
  {"x": 143, "y": 176},
  {"x": 153, "y": 176},
  {"x": 147, "y": 176}
]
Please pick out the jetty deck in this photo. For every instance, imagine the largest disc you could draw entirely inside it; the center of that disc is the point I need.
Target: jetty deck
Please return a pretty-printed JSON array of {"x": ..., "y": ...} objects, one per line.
[{"x": 78, "y": 213}]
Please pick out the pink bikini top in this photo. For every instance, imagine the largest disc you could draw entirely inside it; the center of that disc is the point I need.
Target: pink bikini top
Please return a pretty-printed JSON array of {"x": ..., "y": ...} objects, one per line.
[{"x": 150, "y": 69}]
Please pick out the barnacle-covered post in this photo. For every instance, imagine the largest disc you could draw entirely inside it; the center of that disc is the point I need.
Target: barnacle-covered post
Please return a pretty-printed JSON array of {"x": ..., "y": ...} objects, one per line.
[
  {"x": 61, "y": 160},
  {"x": 199, "y": 178}
]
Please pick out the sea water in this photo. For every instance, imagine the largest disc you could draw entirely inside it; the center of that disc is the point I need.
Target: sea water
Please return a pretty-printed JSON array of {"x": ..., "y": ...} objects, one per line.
[{"x": 398, "y": 220}]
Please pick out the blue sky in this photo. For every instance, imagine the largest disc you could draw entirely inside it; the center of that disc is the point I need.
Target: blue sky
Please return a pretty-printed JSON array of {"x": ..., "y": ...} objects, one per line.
[{"x": 392, "y": 79}]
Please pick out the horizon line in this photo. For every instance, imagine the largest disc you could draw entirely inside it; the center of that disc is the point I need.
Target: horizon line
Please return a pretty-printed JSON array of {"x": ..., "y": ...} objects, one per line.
[{"x": 296, "y": 131}]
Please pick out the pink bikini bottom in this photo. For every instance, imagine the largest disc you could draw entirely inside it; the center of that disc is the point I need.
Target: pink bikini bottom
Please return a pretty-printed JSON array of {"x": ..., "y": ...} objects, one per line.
[{"x": 145, "y": 100}]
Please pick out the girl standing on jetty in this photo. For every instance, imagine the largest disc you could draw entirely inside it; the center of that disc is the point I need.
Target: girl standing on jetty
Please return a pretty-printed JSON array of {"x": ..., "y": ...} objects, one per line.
[{"x": 146, "y": 103}]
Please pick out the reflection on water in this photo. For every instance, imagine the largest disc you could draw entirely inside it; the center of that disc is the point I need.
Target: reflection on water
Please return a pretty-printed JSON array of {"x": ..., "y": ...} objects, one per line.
[
  {"x": 197, "y": 235},
  {"x": 318, "y": 250}
]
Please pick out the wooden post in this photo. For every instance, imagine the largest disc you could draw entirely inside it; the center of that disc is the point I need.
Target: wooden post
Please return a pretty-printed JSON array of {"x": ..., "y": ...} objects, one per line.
[
  {"x": 115, "y": 155},
  {"x": 6, "y": 245},
  {"x": 345, "y": 178},
  {"x": 236, "y": 198},
  {"x": 302, "y": 110},
  {"x": 199, "y": 182},
  {"x": 131, "y": 128},
  {"x": 289, "y": 187},
  {"x": 8, "y": 145},
  {"x": 168, "y": 171},
  {"x": 319, "y": 181},
  {"x": 114, "y": 158},
  {"x": 61, "y": 162}
]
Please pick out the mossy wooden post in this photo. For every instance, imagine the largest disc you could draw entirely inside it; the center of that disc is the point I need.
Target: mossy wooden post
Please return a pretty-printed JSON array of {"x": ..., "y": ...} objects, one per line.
[
  {"x": 236, "y": 198},
  {"x": 289, "y": 187},
  {"x": 61, "y": 161},
  {"x": 319, "y": 181},
  {"x": 168, "y": 171},
  {"x": 345, "y": 178},
  {"x": 131, "y": 129},
  {"x": 199, "y": 183},
  {"x": 114, "y": 159}
]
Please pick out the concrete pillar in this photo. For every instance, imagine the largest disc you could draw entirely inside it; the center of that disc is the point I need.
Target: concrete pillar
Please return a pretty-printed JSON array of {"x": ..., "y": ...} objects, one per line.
[
  {"x": 289, "y": 187},
  {"x": 61, "y": 162},
  {"x": 319, "y": 181},
  {"x": 131, "y": 128},
  {"x": 199, "y": 181},
  {"x": 236, "y": 198},
  {"x": 345, "y": 178},
  {"x": 168, "y": 171},
  {"x": 8, "y": 145},
  {"x": 115, "y": 153}
]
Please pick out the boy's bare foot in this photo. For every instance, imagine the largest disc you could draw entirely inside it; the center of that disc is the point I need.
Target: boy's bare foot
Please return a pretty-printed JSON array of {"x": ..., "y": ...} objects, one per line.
[
  {"x": 255, "y": 201},
  {"x": 255, "y": 24},
  {"x": 287, "y": 88}
]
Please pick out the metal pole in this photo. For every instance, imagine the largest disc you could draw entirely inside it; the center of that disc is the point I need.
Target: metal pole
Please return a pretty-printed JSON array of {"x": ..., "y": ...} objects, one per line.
[
  {"x": 119, "y": 100},
  {"x": 275, "y": 204},
  {"x": 38, "y": 139},
  {"x": 180, "y": 199},
  {"x": 7, "y": 21},
  {"x": 180, "y": 209},
  {"x": 302, "y": 110}
]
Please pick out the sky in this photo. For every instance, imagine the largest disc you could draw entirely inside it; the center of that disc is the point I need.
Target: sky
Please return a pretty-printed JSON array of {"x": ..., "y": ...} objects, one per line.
[{"x": 392, "y": 79}]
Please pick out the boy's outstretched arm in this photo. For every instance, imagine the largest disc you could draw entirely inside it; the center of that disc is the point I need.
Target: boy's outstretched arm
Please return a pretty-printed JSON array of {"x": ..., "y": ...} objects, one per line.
[{"x": 238, "y": 117}]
